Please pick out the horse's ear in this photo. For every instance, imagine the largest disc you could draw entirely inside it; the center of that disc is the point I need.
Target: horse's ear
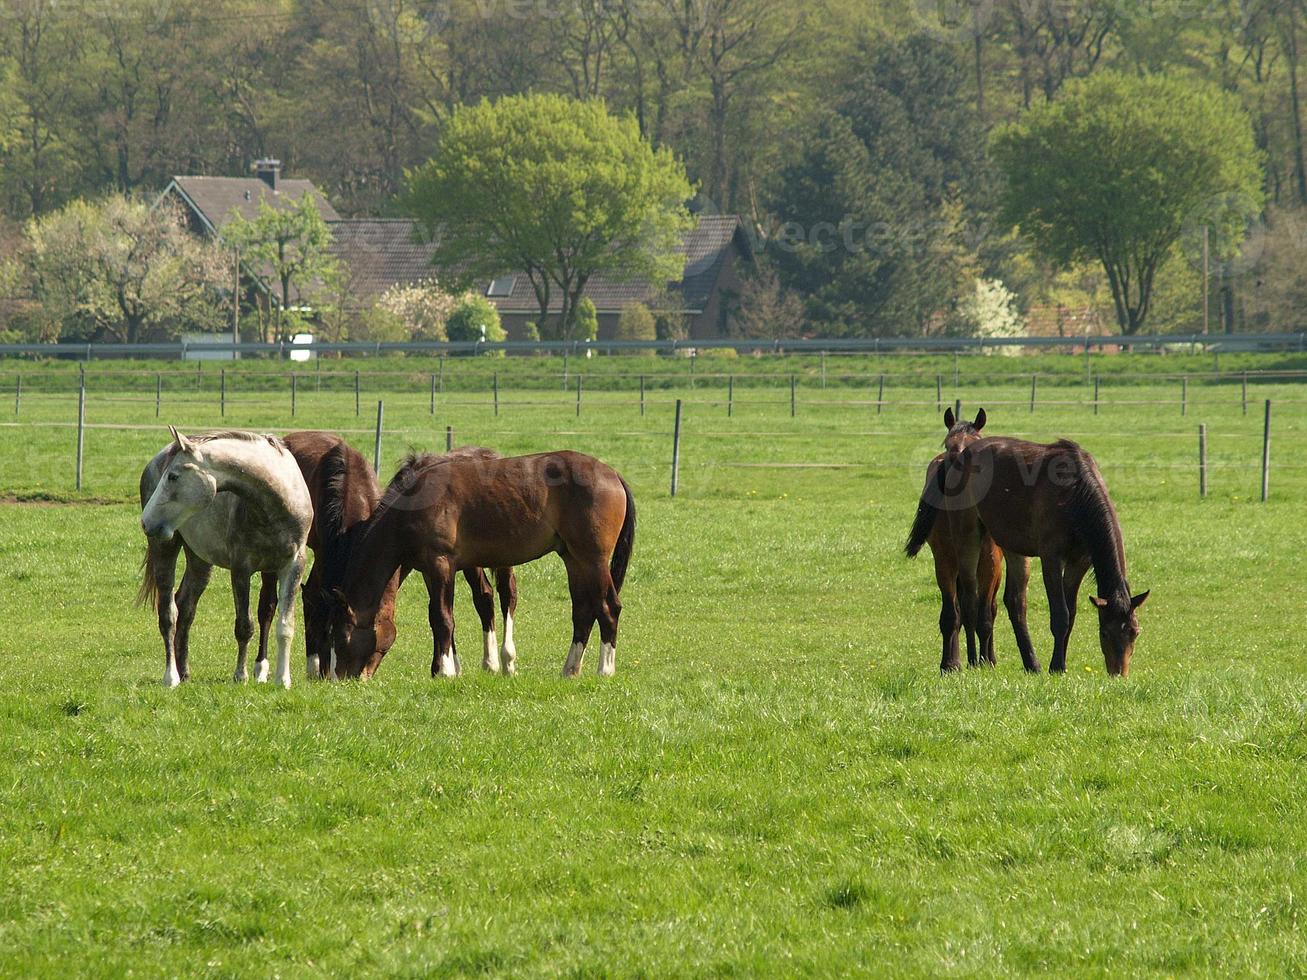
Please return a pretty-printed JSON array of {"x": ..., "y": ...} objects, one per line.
[
  {"x": 180, "y": 440},
  {"x": 1100, "y": 603},
  {"x": 949, "y": 420},
  {"x": 1139, "y": 600},
  {"x": 980, "y": 420},
  {"x": 339, "y": 596}
]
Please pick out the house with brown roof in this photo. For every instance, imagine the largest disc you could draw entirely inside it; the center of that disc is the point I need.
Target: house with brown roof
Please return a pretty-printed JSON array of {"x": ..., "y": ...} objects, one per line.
[
  {"x": 378, "y": 253},
  {"x": 715, "y": 251}
]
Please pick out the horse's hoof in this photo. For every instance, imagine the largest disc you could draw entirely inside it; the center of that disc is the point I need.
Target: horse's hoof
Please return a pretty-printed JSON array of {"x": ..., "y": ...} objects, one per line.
[
  {"x": 261, "y": 673},
  {"x": 510, "y": 670},
  {"x": 171, "y": 680},
  {"x": 238, "y": 678}
]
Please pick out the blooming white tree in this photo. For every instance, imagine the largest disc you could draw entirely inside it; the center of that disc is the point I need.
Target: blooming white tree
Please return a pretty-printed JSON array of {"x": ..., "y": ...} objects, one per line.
[
  {"x": 990, "y": 311},
  {"x": 423, "y": 308}
]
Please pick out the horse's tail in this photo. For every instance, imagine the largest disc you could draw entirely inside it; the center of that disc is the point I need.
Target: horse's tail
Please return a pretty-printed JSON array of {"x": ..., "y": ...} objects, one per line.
[
  {"x": 625, "y": 542},
  {"x": 148, "y": 593},
  {"x": 924, "y": 522}
]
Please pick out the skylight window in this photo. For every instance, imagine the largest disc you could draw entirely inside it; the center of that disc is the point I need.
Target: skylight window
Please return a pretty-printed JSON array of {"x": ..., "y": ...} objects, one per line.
[{"x": 502, "y": 286}]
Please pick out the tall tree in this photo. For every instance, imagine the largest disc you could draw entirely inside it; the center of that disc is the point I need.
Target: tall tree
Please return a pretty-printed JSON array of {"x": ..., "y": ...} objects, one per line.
[
  {"x": 555, "y": 189},
  {"x": 115, "y": 268},
  {"x": 1117, "y": 166},
  {"x": 291, "y": 245}
]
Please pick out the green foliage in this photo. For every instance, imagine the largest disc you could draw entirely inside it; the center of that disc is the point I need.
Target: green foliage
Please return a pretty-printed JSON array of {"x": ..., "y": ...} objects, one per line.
[
  {"x": 557, "y": 190},
  {"x": 636, "y": 323},
  {"x": 587, "y": 320},
  {"x": 117, "y": 269},
  {"x": 475, "y": 318},
  {"x": 290, "y": 245},
  {"x": 874, "y": 219},
  {"x": 1119, "y": 166}
]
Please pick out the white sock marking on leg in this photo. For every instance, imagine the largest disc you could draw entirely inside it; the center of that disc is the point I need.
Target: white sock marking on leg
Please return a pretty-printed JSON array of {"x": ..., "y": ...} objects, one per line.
[
  {"x": 490, "y": 655},
  {"x": 447, "y": 666},
  {"x": 575, "y": 654},
  {"x": 313, "y": 669},
  {"x": 261, "y": 671},
  {"x": 608, "y": 660},
  {"x": 510, "y": 650},
  {"x": 170, "y": 676}
]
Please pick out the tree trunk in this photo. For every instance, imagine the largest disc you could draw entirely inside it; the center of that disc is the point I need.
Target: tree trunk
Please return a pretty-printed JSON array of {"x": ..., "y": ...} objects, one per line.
[{"x": 1291, "y": 45}]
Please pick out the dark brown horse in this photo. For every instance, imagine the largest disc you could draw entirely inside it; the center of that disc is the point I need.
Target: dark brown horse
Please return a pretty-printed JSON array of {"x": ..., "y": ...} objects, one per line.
[
  {"x": 962, "y": 562},
  {"x": 1048, "y": 501},
  {"x": 442, "y": 515},
  {"x": 344, "y": 492}
]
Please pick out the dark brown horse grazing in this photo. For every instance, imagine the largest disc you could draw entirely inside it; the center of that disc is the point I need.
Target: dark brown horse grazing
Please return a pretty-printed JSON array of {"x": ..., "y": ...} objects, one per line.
[
  {"x": 1049, "y": 501},
  {"x": 345, "y": 492},
  {"x": 441, "y": 515},
  {"x": 961, "y": 563}
]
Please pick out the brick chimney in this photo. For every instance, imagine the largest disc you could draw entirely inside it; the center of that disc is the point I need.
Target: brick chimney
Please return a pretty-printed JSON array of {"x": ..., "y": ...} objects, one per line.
[{"x": 267, "y": 170}]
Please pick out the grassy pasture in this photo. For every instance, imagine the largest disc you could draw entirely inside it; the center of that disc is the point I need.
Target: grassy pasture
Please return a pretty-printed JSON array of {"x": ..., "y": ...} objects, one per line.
[{"x": 776, "y": 782}]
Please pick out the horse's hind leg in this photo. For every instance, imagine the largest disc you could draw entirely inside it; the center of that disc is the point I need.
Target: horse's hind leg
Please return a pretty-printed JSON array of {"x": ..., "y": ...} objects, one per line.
[
  {"x": 483, "y": 597},
  {"x": 1014, "y": 600},
  {"x": 193, "y": 585},
  {"x": 506, "y": 582},
  {"x": 163, "y": 563},
  {"x": 590, "y": 586},
  {"x": 267, "y": 606},
  {"x": 288, "y": 586},
  {"x": 240, "y": 590}
]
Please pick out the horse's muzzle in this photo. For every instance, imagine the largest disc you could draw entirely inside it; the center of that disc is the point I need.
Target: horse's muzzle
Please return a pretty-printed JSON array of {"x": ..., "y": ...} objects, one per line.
[{"x": 159, "y": 532}]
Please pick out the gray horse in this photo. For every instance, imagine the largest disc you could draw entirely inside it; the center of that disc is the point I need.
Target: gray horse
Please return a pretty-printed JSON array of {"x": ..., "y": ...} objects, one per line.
[{"x": 232, "y": 499}]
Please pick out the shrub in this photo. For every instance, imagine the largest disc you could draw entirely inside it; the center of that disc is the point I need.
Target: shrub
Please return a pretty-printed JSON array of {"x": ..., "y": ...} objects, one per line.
[
  {"x": 991, "y": 311},
  {"x": 474, "y": 318},
  {"x": 587, "y": 320},
  {"x": 423, "y": 308},
  {"x": 637, "y": 323}
]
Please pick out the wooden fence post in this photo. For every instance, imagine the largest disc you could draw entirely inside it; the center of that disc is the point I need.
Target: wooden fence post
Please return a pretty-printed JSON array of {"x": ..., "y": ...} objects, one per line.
[
  {"x": 1096, "y": 380},
  {"x": 433, "y": 394},
  {"x": 880, "y": 395},
  {"x": 222, "y": 397},
  {"x": 376, "y": 446},
  {"x": 642, "y": 396},
  {"x": 294, "y": 392},
  {"x": 449, "y": 438},
  {"x": 823, "y": 369},
  {"x": 81, "y": 427},
  {"x": 1202, "y": 462},
  {"x": 730, "y": 395},
  {"x": 794, "y": 408},
  {"x": 496, "y": 386},
  {"x": 676, "y": 448},
  {"x": 18, "y": 395},
  {"x": 356, "y": 393},
  {"x": 1184, "y": 396},
  {"x": 957, "y": 409},
  {"x": 158, "y": 393},
  {"x": 939, "y": 393},
  {"x": 1245, "y": 393},
  {"x": 1266, "y": 454},
  {"x": 579, "y": 383},
  {"x": 1034, "y": 385}
]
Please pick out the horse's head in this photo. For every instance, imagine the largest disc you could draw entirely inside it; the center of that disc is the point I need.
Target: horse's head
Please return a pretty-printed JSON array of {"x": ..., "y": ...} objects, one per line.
[
  {"x": 359, "y": 640},
  {"x": 961, "y": 433},
  {"x": 185, "y": 488},
  {"x": 1118, "y": 629}
]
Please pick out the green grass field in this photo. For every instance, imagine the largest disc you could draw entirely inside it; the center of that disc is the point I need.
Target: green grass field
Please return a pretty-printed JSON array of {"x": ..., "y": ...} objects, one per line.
[{"x": 776, "y": 782}]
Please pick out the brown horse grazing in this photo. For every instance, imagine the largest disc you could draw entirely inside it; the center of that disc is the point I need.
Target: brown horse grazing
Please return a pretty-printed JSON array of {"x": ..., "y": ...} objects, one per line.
[
  {"x": 441, "y": 515},
  {"x": 1049, "y": 501},
  {"x": 961, "y": 563},
  {"x": 345, "y": 492}
]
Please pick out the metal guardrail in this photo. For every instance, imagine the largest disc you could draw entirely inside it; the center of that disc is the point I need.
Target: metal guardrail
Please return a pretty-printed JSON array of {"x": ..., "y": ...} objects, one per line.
[{"x": 179, "y": 350}]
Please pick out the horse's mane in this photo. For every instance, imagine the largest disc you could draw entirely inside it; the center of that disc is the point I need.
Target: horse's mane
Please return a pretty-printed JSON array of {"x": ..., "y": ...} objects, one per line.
[
  {"x": 339, "y": 473},
  {"x": 239, "y": 434},
  {"x": 414, "y": 463},
  {"x": 1093, "y": 518}
]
